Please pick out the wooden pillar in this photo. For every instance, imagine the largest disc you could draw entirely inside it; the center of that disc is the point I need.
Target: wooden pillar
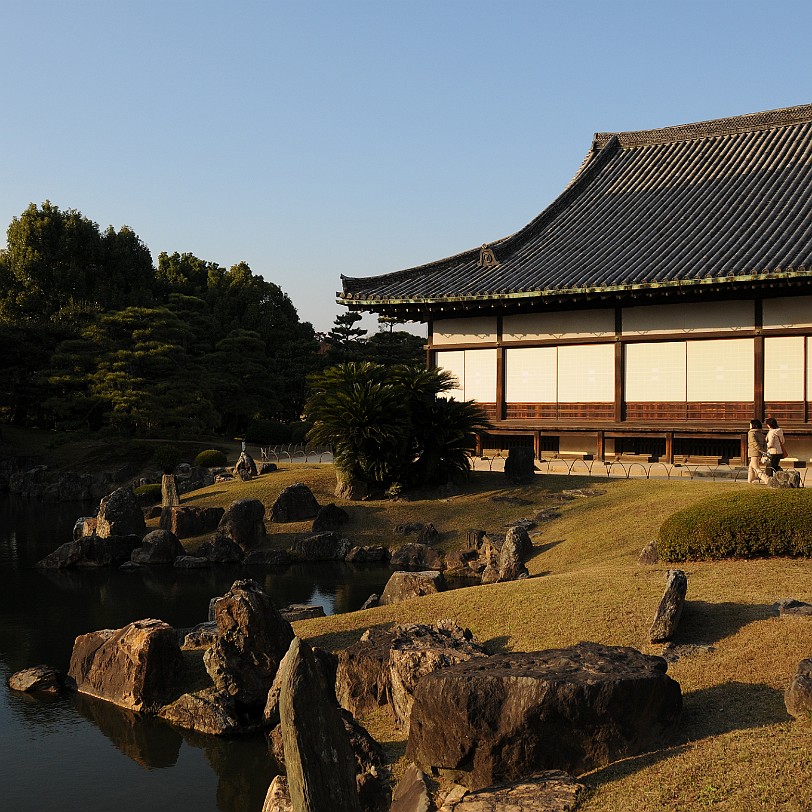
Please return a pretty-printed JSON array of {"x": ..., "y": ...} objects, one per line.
[
  {"x": 601, "y": 449},
  {"x": 758, "y": 361},
  {"x": 669, "y": 447},
  {"x": 619, "y": 376}
]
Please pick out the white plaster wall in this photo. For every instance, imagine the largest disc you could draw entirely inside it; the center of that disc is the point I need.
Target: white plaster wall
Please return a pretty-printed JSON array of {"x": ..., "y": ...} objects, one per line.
[
  {"x": 531, "y": 375},
  {"x": 566, "y": 324},
  {"x": 586, "y": 373},
  {"x": 795, "y": 311},
  {"x": 688, "y": 318},
  {"x": 464, "y": 331},
  {"x": 656, "y": 372},
  {"x": 784, "y": 368},
  {"x": 480, "y": 375},
  {"x": 721, "y": 370}
]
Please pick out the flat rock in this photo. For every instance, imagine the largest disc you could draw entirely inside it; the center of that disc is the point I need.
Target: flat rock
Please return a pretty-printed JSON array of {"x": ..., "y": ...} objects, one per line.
[
  {"x": 549, "y": 791},
  {"x": 508, "y": 716},
  {"x": 414, "y": 556},
  {"x": 38, "y": 678},
  {"x": 191, "y": 562},
  {"x": 404, "y": 585},
  {"x": 322, "y": 547},
  {"x": 209, "y": 711}
]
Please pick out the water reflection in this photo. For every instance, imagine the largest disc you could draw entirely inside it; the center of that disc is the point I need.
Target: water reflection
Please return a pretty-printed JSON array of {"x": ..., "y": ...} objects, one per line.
[{"x": 100, "y": 756}]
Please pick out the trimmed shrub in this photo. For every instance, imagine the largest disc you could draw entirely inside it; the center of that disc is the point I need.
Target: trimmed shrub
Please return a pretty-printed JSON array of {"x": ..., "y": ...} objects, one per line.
[
  {"x": 751, "y": 524},
  {"x": 148, "y": 494},
  {"x": 211, "y": 458}
]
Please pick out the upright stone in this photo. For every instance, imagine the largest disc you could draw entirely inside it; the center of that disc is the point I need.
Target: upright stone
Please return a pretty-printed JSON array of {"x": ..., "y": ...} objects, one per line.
[
  {"x": 318, "y": 758},
  {"x": 520, "y": 465},
  {"x": 798, "y": 696},
  {"x": 169, "y": 491},
  {"x": 670, "y": 608},
  {"x": 295, "y": 504},
  {"x": 120, "y": 515}
]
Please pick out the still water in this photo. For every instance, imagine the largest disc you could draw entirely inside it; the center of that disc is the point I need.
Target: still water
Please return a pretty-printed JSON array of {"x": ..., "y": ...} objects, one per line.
[{"x": 74, "y": 753}]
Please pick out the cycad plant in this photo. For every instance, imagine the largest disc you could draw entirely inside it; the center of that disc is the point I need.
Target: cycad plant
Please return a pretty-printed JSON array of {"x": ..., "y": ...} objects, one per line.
[{"x": 387, "y": 426}]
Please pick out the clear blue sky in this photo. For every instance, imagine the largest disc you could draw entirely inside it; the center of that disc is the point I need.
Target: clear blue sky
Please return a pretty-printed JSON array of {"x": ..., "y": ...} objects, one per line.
[{"x": 312, "y": 139}]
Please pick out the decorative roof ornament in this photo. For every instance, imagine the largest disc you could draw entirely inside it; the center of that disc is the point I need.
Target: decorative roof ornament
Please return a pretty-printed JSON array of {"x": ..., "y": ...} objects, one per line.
[{"x": 486, "y": 257}]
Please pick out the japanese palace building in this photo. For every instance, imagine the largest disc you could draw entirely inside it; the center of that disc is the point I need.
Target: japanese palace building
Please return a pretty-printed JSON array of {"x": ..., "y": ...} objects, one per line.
[{"x": 657, "y": 305}]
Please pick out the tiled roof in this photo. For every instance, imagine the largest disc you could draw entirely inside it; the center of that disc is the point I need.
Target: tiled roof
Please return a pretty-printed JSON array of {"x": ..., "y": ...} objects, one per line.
[{"x": 717, "y": 201}]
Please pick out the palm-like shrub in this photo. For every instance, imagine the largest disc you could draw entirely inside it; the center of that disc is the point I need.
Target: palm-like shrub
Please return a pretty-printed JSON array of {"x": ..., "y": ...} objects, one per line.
[{"x": 387, "y": 426}]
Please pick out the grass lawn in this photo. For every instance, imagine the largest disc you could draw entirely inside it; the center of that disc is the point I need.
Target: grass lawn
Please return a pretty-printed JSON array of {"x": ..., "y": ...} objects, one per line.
[{"x": 736, "y": 747}]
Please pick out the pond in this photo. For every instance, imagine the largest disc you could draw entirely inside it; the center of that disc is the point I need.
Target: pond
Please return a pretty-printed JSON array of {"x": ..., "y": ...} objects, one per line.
[{"x": 73, "y": 752}]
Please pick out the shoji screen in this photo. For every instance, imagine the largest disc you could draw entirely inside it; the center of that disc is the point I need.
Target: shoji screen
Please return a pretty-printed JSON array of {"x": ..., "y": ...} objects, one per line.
[
  {"x": 784, "y": 368},
  {"x": 720, "y": 370},
  {"x": 480, "y": 375},
  {"x": 531, "y": 375},
  {"x": 655, "y": 372},
  {"x": 453, "y": 361},
  {"x": 586, "y": 373}
]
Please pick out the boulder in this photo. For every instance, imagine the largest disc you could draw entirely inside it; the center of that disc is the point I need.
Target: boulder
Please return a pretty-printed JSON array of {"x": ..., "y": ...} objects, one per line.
[
  {"x": 785, "y": 478},
  {"x": 245, "y": 465},
  {"x": 428, "y": 535},
  {"x": 269, "y": 558},
  {"x": 302, "y": 611},
  {"x": 203, "y": 635},
  {"x": 511, "y": 715},
  {"x": 330, "y": 517},
  {"x": 792, "y": 607},
  {"x": 208, "y": 711},
  {"x": 418, "y": 649},
  {"x": 367, "y": 554},
  {"x": 120, "y": 515},
  {"x": 413, "y": 556},
  {"x": 371, "y": 602},
  {"x": 266, "y": 468},
  {"x": 244, "y": 522},
  {"x": 38, "y": 678},
  {"x": 134, "y": 667},
  {"x": 404, "y": 585},
  {"x": 186, "y": 521},
  {"x": 84, "y": 526},
  {"x": 221, "y": 549},
  {"x": 318, "y": 758},
  {"x": 649, "y": 554},
  {"x": 520, "y": 465},
  {"x": 91, "y": 551},
  {"x": 412, "y": 792},
  {"x": 191, "y": 562},
  {"x": 512, "y": 555},
  {"x": 362, "y": 678},
  {"x": 295, "y": 504},
  {"x": 253, "y": 638},
  {"x": 798, "y": 696},
  {"x": 158, "y": 547},
  {"x": 518, "y": 536},
  {"x": 321, "y": 547},
  {"x": 278, "y": 796},
  {"x": 670, "y": 609},
  {"x": 550, "y": 791}
]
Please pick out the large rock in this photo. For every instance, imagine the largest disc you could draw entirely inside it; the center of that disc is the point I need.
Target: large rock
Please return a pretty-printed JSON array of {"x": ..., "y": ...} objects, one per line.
[
  {"x": 798, "y": 696},
  {"x": 120, "y": 515},
  {"x": 158, "y": 547},
  {"x": 322, "y": 547},
  {"x": 295, "y": 504},
  {"x": 520, "y": 465},
  {"x": 38, "y": 678},
  {"x": 362, "y": 678},
  {"x": 404, "y": 585},
  {"x": 330, "y": 517},
  {"x": 244, "y": 522},
  {"x": 670, "y": 609},
  {"x": 418, "y": 649},
  {"x": 245, "y": 467},
  {"x": 412, "y": 792},
  {"x": 91, "y": 551},
  {"x": 511, "y": 715},
  {"x": 414, "y": 556},
  {"x": 208, "y": 711},
  {"x": 784, "y": 478},
  {"x": 367, "y": 554},
  {"x": 221, "y": 549},
  {"x": 550, "y": 791},
  {"x": 253, "y": 639},
  {"x": 185, "y": 521},
  {"x": 318, "y": 758},
  {"x": 278, "y": 797},
  {"x": 134, "y": 667}
]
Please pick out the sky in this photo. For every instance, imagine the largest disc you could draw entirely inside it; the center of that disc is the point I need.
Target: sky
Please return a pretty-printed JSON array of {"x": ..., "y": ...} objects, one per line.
[{"x": 315, "y": 139}]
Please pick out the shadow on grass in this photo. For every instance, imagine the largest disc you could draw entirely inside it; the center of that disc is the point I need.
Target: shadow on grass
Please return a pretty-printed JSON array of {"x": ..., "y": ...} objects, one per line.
[
  {"x": 497, "y": 645},
  {"x": 706, "y": 713},
  {"x": 543, "y": 548},
  {"x": 706, "y": 623},
  {"x": 334, "y": 641}
]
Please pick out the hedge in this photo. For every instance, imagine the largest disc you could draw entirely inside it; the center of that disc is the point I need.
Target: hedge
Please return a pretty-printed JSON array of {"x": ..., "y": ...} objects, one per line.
[
  {"x": 756, "y": 523},
  {"x": 211, "y": 458}
]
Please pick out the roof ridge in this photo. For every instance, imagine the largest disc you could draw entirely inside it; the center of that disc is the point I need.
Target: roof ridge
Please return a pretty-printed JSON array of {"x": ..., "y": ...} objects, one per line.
[{"x": 768, "y": 119}]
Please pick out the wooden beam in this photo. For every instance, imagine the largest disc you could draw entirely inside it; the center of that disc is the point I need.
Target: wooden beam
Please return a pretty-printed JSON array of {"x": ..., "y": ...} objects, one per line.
[{"x": 619, "y": 378}]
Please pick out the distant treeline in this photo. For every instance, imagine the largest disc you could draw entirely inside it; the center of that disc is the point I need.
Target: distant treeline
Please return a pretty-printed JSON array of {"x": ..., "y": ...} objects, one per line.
[{"x": 94, "y": 335}]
